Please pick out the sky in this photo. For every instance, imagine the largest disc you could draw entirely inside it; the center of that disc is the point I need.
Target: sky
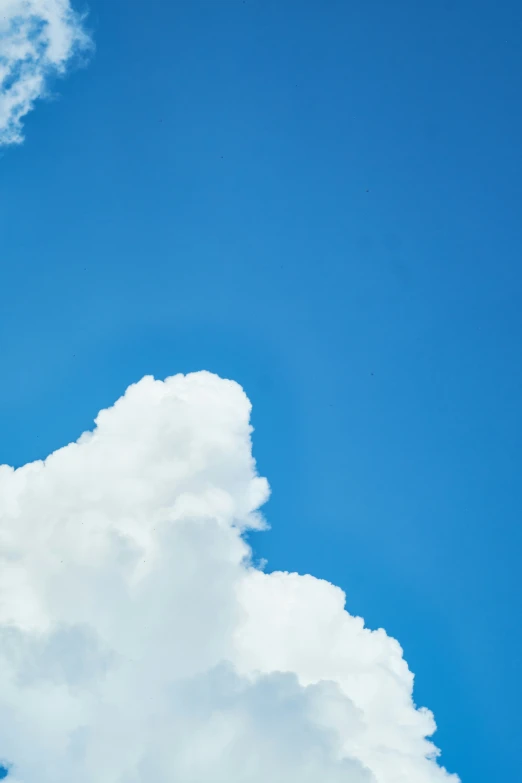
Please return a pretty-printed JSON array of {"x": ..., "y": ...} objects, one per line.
[{"x": 319, "y": 201}]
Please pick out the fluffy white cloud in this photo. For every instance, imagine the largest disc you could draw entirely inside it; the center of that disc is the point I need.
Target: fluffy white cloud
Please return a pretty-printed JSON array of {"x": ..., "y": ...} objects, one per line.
[
  {"x": 138, "y": 642},
  {"x": 37, "y": 39}
]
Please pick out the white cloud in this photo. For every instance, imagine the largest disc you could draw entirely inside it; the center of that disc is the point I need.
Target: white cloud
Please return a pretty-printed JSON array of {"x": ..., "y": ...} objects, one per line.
[
  {"x": 138, "y": 642},
  {"x": 37, "y": 39}
]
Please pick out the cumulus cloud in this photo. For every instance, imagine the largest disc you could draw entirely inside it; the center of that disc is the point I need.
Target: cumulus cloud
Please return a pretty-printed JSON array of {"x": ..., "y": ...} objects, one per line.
[
  {"x": 138, "y": 641},
  {"x": 37, "y": 40}
]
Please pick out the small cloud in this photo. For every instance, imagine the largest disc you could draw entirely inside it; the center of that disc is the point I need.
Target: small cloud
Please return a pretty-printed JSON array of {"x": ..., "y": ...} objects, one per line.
[{"x": 38, "y": 39}]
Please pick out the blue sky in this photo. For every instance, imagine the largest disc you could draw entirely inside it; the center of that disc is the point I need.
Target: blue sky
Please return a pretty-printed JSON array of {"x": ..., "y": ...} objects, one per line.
[{"x": 322, "y": 201}]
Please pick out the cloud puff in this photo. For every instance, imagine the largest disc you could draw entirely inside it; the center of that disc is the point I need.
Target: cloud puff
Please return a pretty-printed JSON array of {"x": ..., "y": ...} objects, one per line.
[
  {"x": 37, "y": 39},
  {"x": 137, "y": 640}
]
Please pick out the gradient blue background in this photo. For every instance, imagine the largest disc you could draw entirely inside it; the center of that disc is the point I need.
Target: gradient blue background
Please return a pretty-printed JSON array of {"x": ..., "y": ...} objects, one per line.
[{"x": 321, "y": 200}]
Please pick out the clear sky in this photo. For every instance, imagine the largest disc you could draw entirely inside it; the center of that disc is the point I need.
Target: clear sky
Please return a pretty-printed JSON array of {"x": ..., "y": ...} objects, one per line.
[{"x": 320, "y": 200}]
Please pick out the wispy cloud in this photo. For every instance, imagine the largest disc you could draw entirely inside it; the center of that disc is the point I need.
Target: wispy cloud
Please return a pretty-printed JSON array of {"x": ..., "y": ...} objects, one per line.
[
  {"x": 38, "y": 38},
  {"x": 137, "y": 640}
]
